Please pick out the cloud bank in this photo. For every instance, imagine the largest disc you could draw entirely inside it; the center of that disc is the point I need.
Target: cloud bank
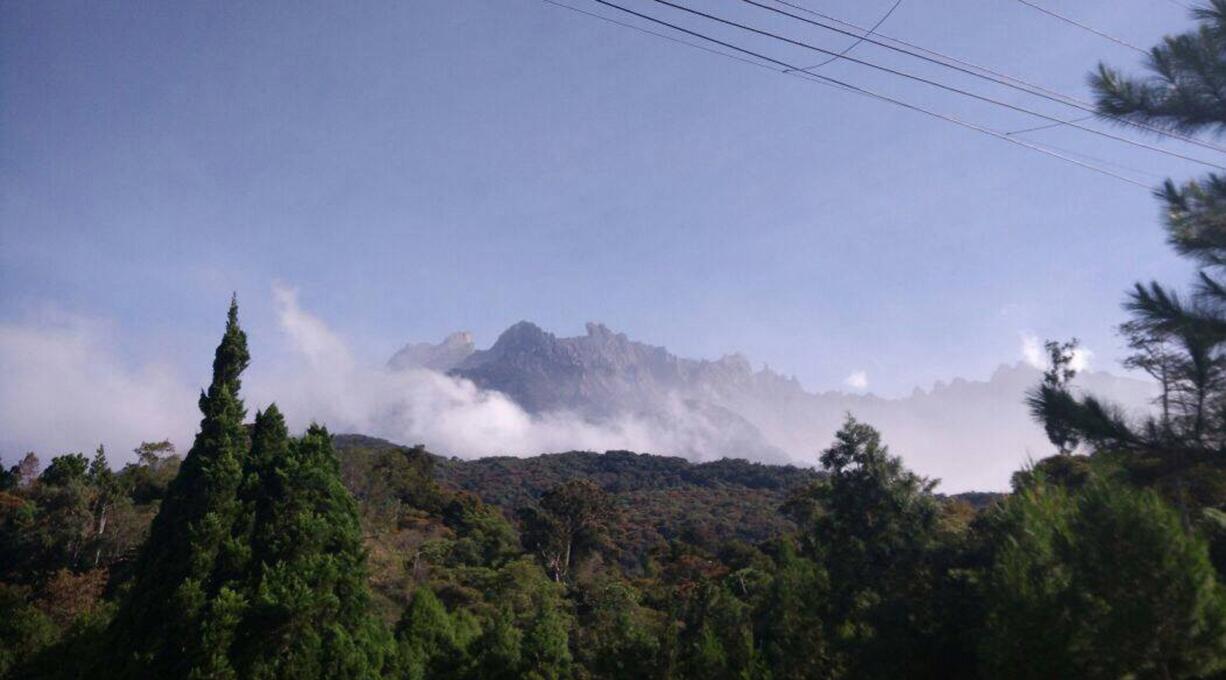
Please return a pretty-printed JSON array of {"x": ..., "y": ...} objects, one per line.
[{"x": 66, "y": 388}]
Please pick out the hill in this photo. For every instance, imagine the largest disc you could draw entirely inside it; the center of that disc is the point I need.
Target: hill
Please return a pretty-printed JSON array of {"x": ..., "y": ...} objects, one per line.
[{"x": 656, "y": 498}]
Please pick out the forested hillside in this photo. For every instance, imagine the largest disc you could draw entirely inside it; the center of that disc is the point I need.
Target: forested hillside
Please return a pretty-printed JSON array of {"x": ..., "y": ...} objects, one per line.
[
  {"x": 652, "y": 499},
  {"x": 277, "y": 556}
]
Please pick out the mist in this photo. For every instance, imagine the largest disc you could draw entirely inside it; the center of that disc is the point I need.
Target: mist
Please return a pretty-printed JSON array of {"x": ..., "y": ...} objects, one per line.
[{"x": 69, "y": 389}]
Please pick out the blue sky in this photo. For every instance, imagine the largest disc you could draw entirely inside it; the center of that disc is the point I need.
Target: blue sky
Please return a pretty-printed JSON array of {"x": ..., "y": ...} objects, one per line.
[{"x": 414, "y": 168}]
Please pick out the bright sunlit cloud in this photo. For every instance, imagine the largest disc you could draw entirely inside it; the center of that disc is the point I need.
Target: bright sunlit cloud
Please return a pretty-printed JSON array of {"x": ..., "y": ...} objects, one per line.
[
  {"x": 1035, "y": 354},
  {"x": 858, "y": 380}
]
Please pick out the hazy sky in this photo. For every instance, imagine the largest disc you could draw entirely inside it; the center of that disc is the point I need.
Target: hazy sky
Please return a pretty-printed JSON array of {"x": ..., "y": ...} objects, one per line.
[{"x": 414, "y": 168}]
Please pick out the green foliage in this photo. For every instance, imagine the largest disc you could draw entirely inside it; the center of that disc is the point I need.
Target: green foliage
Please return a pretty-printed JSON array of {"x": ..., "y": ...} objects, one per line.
[
  {"x": 65, "y": 470},
  {"x": 872, "y": 526},
  {"x": 654, "y": 499},
  {"x": 272, "y": 557},
  {"x": 427, "y": 641},
  {"x": 615, "y": 635},
  {"x": 1102, "y": 582},
  {"x": 24, "y": 629},
  {"x": 1179, "y": 340},
  {"x": 308, "y": 604},
  {"x": 1062, "y": 434},
  {"x": 158, "y": 629},
  {"x": 569, "y": 521},
  {"x": 255, "y": 566},
  {"x": 792, "y": 640}
]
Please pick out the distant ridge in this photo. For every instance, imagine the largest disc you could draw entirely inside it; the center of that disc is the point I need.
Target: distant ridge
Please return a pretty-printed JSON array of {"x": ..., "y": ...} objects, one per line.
[{"x": 971, "y": 433}]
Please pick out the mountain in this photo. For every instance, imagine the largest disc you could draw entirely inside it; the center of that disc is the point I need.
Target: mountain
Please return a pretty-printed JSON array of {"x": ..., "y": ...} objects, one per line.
[
  {"x": 974, "y": 433},
  {"x": 441, "y": 357}
]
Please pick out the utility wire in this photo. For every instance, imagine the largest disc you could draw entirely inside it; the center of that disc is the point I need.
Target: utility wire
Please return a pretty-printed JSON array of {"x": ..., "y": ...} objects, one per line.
[
  {"x": 940, "y": 85},
  {"x": 1084, "y": 27},
  {"x": 1157, "y": 178},
  {"x": 1048, "y": 126},
  {"x": 648, "y": 31},
  {"x": 859, "y": 40},
  {"x": 818, "y": 79},
  {"x": 975, "y": 70}
]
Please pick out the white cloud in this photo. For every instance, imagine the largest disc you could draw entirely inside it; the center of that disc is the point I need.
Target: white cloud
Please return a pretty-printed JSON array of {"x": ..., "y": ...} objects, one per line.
[
  {"x": 66, "y": 389},
  {"x": 322, "y": 381},
  {"x": 857, "y": 380},
  {"x": 1035, "y": 354}
]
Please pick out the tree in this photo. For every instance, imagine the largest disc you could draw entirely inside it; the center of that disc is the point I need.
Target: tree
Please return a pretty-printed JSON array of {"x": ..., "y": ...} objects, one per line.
[
  {"x": 176, "y": 588},
  {"x": 106, "y": 493},
  {"x": 154, "y": 453},
  {"x": 65, "y": 470},
  {"x": 1180, "y": 339},
  {"x": 871, "y": 525},
  {"x": 149, "y": 478},
  {"x": 792, "y": 638},
  {"x": 309, "y": 603},
  {"x": 615, "y": 636},
  {"x": 569, "y": 521},
  {"x": 426, "y": 639},
  {"x": 1056, "y": 378},
  {"x": 1104, "y": 582}
]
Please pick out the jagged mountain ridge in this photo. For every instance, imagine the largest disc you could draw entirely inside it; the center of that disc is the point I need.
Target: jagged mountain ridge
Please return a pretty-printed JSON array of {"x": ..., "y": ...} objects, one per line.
[
  {"x": 974, "y": 431},
  {"x": 603, "y": 372}
]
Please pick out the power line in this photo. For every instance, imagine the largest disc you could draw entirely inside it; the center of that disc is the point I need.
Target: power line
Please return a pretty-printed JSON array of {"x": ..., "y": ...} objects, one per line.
[
  {"x": 975, "y": 70},
  {"x": 1084, "y": 27},
  {"x": 859, "y": 40},
  {"x": 818, "y": 79},
  {"x": 940, "y": 85},
  {"x": 1048, "y": 126},
  {"x": 640, "y": 29},
  {"x": 1157, "y": 178}
]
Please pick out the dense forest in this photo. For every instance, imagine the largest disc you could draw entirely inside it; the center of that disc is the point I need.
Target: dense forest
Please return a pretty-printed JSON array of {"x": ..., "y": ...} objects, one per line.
[{"x": 261, "y": 554}]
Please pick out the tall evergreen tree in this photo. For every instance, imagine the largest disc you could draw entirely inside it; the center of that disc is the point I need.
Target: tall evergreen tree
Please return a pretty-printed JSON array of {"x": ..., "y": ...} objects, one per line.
[
  {"x": 176, "y": 588},
  {"x": 310, "y": 614},
  {"x": 1181, "y": 339}
]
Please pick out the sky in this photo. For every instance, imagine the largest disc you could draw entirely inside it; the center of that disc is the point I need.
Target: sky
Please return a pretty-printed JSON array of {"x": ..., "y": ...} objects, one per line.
[{"x": 410, "y": 169}]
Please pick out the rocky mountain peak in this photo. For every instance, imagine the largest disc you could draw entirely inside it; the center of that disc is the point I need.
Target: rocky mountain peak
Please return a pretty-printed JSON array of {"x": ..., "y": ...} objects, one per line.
[{"x": 442, "y": 357}]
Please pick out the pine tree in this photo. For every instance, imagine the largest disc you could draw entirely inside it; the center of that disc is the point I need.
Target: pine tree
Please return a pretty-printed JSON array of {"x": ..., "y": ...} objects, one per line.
[
  {"x": 176, "y": 592},
  {"x": 1181, "y": 339}
]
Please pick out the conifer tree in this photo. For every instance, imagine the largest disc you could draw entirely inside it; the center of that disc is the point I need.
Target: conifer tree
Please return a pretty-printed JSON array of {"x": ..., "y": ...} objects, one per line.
[
  {"x": 176, "y": 590},
  {"x": 309, "y": 604},
  {"x": 426, "y": 638},
  {"x": 1181, "y": 339}
]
